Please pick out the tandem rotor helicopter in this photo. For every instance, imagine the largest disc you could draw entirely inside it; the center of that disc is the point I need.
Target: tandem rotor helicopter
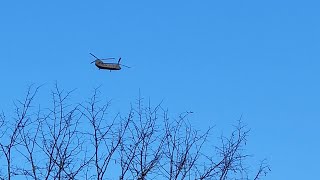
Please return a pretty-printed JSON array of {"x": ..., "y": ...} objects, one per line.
[{"x": 109, "y": 66}]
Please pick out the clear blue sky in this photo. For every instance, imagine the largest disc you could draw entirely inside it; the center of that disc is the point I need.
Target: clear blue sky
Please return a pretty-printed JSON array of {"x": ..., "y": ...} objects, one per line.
[{"x": 219, "y": 59}]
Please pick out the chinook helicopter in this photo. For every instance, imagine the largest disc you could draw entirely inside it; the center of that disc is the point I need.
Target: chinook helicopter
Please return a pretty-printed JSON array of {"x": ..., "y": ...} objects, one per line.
[{"x": 109, "y": 66}]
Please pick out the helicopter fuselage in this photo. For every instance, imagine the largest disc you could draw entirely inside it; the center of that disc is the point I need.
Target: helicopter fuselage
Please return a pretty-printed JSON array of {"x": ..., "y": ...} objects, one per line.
[{"x": 109, "y": 66}]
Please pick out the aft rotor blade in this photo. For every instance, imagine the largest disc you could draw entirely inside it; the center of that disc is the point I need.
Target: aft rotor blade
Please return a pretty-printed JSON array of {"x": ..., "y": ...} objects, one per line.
[
  {"x": 93, "y": 55},
  {"x": 125, "y": 66}
]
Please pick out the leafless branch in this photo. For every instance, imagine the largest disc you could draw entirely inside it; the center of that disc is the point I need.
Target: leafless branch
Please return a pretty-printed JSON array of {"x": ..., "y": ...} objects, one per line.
[
  {"x": 19, "y": 122},
  {"x": 81, "y": 141}
]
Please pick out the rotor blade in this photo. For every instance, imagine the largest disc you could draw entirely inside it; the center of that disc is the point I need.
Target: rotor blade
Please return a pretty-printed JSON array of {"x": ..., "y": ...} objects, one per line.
[
  {"x": 93, "y": 55},
  {"x": 107, "y": 58},
  {"x": 125, "y": 66},
  {"x": 93, "y": 61}
]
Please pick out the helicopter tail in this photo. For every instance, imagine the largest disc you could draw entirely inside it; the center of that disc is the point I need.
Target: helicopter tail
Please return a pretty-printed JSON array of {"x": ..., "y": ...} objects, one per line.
[{"x": 119, "y": 60}]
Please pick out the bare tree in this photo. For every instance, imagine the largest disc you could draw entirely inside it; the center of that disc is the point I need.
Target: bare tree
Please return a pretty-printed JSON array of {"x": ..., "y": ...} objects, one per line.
[
  {"x": 47, "y": 143},
  {"x": 228, "y": 161},
  {"x": 87, "y": 141},
  {"x": 263, "y": 170},
  {"x": 61, "y": 141},
  {"x": 105, "y": 135},
  {"x": 142, "y": 148},
  {"x": 183, "y": 148},
  {"x": 10, "y": 133}
]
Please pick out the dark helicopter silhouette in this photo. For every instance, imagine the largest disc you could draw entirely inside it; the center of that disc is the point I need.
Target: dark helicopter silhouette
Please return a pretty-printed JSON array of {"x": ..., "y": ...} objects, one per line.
[{"x": 109, "y": 66}]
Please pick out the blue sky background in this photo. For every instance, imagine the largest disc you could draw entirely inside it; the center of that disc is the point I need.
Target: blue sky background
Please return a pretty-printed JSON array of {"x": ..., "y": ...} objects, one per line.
[{"x": 220, "y": 59}]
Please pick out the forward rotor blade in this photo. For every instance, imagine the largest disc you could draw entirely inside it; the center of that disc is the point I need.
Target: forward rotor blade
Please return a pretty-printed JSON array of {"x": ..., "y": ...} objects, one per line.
[
  {"x": 93, "y": 55},
  {"x": 93, "y": 61},
  {"x": 107, "y": 58}
]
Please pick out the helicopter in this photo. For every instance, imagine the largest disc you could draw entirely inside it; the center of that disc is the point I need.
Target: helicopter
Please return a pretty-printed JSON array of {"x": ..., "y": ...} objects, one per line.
[{"x": 109, "y": 66}]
